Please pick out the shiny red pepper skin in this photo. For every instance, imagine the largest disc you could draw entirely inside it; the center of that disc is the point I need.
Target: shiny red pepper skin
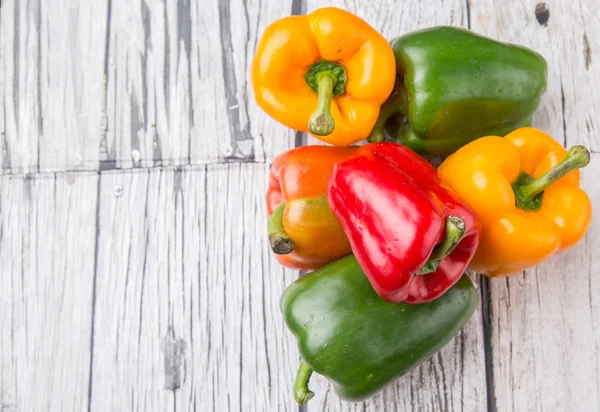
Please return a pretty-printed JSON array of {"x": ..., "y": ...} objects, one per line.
[{"x": 393, "y": 209}]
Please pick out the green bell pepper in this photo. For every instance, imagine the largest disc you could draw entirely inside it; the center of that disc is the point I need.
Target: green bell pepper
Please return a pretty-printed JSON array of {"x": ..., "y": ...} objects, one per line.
[
  {"x": 455, "y": 86},
  {"x": 348, "y": 334}
]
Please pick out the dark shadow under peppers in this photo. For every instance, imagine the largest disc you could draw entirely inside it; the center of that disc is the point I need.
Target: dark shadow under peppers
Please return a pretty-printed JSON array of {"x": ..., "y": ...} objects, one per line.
[{"x": 413, "y": 237}]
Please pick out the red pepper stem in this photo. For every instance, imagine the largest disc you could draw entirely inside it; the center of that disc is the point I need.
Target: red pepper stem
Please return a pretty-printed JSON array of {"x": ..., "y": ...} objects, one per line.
[
  {"x": 455, "y": 231},
  {"x": 301, "y": 392},
  {"x": 279, "y": 240},
  {"x": 321, "y": 122},
  {"x": 393, "y": 105},
  {"x": 577, "y": 157}
]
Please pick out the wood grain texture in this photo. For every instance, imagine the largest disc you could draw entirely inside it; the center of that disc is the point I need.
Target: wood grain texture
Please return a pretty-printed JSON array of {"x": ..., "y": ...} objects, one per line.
[
  {"x": 51, "y": 63},
  {"x": 187, "y": 314},
  {"x": 47, "y": 239},
  {"x": 128, "y": 84},
  {"x": 252, "y": 134},
  {"x": 545, "y": 332},
  {"x": 20, "y": 105},
  {"x": 178, "y": 86}
]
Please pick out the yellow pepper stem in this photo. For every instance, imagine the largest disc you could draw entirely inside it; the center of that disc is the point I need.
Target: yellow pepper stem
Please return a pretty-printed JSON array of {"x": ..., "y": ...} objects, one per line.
[
  {"x": 455, "y": 231},
  {"x": 321, "y": 122},
  {"x": 327, "y": 79},
  {"x": 528, "y": 191},
  {"x": 301, "y": 392},
  {"x": 279, "y": 240}
]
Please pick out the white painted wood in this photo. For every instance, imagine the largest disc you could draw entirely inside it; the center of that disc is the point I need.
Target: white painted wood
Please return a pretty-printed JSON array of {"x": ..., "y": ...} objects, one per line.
[
  {"x": 132, "y": 84},
  {"x": 250, "y": 130},
  {"x": 72, "y": 39},
  {"x": 47, "y": 238},
  {"x": 545, "y": 332},
  {"x": 20, "y": 104},
  {"x": 183, "y": 268},
  {"x": 51, "y": 65},
  {"x": 149, "y": 91}
]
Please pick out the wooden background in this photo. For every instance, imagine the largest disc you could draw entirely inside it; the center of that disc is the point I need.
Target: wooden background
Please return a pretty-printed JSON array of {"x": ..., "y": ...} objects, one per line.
[{"x": 134, "y": 267}]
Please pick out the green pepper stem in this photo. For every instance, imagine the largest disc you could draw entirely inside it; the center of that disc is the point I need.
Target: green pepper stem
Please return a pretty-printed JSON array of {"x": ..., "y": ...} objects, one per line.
[
  {"x": 279, "y": 240},
  {"x": 321, "y": 122},
  {"x": 577, "y": 157},
  {"x": 301, "y": 392},
  {"x": 455, "y": 231},
  {"x": 395, "y": 104}
]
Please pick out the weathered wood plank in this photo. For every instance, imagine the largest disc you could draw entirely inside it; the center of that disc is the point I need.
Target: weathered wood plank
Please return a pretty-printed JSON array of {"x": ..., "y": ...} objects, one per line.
[
  {"x": 130, "y": 84},
  {"x": 149, "y": 90},
  {"x": 455, "y": 378},
  {"x": 20, "y": 101},
  {"x": 52, "y": 69},
  {"x": 234, "y": 127},
  {"x": 178, "y": 89},
  {"x": 185, "y": 283},
  {"x": 545, "y": 333},
  {"x": 72, "y": 83},
  {"x": 47, "y": 239}
]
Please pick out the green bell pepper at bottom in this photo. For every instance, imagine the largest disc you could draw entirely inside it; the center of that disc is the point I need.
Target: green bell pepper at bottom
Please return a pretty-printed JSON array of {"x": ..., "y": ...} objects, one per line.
[
  {"x": 456, "y": 86},
  {"x": 360, "y": 342}
]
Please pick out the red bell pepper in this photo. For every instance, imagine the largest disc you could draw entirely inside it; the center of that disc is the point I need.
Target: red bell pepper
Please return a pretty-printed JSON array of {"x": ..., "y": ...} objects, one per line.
[{"x": 412, "y": 237}]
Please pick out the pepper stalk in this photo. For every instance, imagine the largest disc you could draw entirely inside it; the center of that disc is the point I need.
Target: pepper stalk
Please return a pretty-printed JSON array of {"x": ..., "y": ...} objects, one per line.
[
  {"x": 529, "y": 191},
  {"x": 455, "y": 231},
  {"x": 328, "y": 80},
  {"x": 280, "y": 242},
  {"x": 301, "y": 392}
]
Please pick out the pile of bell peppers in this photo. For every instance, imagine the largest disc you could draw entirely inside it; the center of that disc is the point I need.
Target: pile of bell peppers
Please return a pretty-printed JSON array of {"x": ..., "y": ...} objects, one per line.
[{"x": 388, "y": 236}]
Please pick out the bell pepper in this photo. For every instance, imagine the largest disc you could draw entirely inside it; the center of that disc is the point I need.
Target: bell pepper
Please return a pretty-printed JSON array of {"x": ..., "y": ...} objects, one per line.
[
  {"x": 326, "y": 73},
  {"x": 455, "y": 86},
  {"x": 303, "y": 232},
  {"x": 413, "y": 237},
  {"x": 524, "y": 189},
  {"x": 358, "y": 341}
]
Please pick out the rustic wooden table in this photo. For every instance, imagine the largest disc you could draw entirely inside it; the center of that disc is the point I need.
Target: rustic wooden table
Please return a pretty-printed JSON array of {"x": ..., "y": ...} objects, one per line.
[{"x": 135, "y": 272}]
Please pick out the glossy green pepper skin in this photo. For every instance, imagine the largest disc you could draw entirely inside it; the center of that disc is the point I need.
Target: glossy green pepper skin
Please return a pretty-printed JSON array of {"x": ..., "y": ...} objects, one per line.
[
  {"x": 456, "y": 86},
  {"x": 348, "y": 334}
]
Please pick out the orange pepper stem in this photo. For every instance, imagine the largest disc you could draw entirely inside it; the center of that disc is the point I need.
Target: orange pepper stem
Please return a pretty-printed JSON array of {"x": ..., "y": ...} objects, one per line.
[
  {"x": 301, "y": 392},
  {"x": 455, "y": 231},
  {"x": 327, "y": 79},
  {"x": 529, "y": 191},
  {"x": 395, "y": 104},
  {"x": 279, "y": 240},
  {"x": 321, "y": 122}
]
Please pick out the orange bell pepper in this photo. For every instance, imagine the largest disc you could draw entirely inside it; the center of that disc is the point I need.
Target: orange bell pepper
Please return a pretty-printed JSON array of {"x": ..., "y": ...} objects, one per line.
[
  {"x": 524, "y": 189},
  {"x": 303, "y": 231},
  {"x": 326, "y": 73}
]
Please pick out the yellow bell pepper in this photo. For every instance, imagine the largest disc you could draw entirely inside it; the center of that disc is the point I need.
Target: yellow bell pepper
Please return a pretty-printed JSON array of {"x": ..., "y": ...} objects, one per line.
[
  {"x": 327, "y": 73},
  {"x": 524, "y": 189}
]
